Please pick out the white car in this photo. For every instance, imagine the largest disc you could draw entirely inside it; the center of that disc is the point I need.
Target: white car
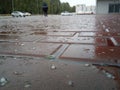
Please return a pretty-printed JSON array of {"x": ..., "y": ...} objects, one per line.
[
  {"x": 66, "y": 13},
  {"x": 17, "y": 14},
  {"x": 27, "y": 14}
]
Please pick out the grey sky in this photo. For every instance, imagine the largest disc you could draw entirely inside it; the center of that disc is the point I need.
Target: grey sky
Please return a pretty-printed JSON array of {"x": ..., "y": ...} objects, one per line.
[{"x": 75, "y": 2}]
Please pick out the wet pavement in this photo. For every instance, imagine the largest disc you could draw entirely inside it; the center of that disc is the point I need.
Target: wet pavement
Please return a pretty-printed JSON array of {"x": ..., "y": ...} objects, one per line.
[{"x": 89, "y": 44}]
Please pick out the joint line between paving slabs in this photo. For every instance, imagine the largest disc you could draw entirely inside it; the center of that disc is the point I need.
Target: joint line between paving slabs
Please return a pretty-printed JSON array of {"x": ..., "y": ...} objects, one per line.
[
  {"x": 61, "y": 50},
  {"x": 112, "y": 38}
]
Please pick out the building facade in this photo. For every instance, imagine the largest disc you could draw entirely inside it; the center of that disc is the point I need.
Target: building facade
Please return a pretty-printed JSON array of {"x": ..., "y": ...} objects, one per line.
[
  {"x": 91, "y": 9},
  {"x": 83, "y": 9},
  {"x": 107, "y": 6},
  {"x": 80, "y": 9}
]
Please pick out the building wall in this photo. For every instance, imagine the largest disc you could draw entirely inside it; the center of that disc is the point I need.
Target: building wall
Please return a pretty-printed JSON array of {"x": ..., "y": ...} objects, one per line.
[
  {"x": 90, "y": 9},
  {"x": 102, "y": 6},
  {"x": 83, "y": 9}
]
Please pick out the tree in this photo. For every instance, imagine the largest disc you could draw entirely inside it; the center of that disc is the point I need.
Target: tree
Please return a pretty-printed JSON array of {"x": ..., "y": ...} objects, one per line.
[
  {"x": 34, "y": 6},
  {"x": 5, "y": 6}
]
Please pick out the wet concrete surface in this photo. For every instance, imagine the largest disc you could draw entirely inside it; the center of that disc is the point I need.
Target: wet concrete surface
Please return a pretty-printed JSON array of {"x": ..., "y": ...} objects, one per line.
[
  {"x": 29, "y": 73},
  {"x": 75, "y": 40}
]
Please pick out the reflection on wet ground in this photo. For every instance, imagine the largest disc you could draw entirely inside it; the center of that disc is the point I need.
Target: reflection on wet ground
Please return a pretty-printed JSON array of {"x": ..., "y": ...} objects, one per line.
[
  {"x": 35, "y": 74},
  {"x": 111, "y": 71},
  {"x": 89, "y": 38}
]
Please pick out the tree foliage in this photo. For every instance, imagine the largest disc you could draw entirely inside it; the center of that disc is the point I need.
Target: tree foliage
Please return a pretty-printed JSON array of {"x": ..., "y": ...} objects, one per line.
[{"x": 34, "y": 6}]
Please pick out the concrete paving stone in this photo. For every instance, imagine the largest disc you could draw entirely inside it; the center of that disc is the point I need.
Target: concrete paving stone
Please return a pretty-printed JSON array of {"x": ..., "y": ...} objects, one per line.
[
  {"x": 38, "y": 74},
  {"x": 54, "y": 39},
  {"x": 87, "y": 34},
  {"x": 29, "y": 48},
  {"x": 93, "y": 44},
  {"x": 93, "y": 33},
  {"x": 91, "y": 52},
  {"x": 99, "y": 34},
  {"x": 83, "y": 51},
  {"x": 76, "y": 40},
  {"x": 87, "y": 40},
  {"x": 30, "y": 38}
]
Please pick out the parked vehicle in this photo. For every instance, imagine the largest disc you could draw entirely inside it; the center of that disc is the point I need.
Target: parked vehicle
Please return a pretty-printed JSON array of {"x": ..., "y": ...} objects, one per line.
[
  {"x": 66, "y": 13},
  {"x": 27, "y": 14},
  {"x": 17, "y": 14}
]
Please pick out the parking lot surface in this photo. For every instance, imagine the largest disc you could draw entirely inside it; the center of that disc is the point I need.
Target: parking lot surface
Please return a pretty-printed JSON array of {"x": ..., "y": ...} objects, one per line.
[{"x": 77, "y": 52}]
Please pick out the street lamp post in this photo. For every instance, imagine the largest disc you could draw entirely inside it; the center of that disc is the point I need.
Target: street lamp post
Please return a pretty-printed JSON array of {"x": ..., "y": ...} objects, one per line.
[
  {"x": 12, "y": 5},
  {"x": 52, "y": 6},
  {"x": 37, "y": 7}
]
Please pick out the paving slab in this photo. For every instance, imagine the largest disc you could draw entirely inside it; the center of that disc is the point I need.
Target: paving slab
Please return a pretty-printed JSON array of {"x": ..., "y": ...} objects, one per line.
[
  {"x": 28, "y": 73},
  {"x": 98, "y": 34},
  {"x": 30, "y": 38},
  {"x": 109, "y": 53},
  {"x": 92, "y": 52},
  {"x": 72, "y": 40},
  {"x": 29, "y": 48},
  {"x": 85, "y": 49},
  {"x": 87, "y": 34}
]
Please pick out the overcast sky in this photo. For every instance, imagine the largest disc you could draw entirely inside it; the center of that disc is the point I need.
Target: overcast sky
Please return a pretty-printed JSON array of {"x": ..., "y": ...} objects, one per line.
[{"x": 75, "y": 2}]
